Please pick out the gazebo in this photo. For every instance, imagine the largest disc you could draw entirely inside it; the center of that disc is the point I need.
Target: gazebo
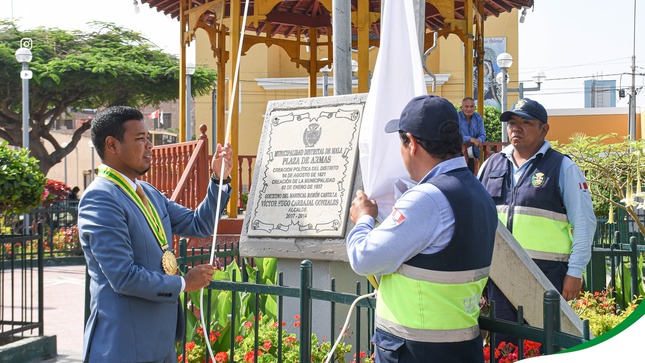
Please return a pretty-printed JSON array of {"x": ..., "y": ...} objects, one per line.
[{"x": 293, "y": 25}]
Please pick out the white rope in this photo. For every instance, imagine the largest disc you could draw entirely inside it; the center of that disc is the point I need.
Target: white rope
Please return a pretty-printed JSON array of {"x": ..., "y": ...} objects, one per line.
[
  {"x": 329, "y": 355},
  {"x": 236, "y": 75}
]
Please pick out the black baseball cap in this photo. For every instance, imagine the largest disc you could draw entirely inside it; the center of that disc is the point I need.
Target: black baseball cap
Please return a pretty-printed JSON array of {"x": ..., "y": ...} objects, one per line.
[
  {"x": 528, "y": 109},
  {"x": 425, "y": 117}
]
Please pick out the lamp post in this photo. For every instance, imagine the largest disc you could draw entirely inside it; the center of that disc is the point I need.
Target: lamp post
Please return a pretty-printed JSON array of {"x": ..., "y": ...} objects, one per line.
[
  {"x": 325, "y": 71},
  {"x": 23, "y": 56},
  {"x": 190, "y": 70},
  {"x": 504, "y": 62},
  {"x": 538, "y": 79}
]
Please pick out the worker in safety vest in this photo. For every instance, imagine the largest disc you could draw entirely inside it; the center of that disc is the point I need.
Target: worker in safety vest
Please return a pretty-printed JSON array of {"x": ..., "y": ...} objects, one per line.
[
  {"x": 434, "y": 251},
  {"x": 542, "y": 197}
]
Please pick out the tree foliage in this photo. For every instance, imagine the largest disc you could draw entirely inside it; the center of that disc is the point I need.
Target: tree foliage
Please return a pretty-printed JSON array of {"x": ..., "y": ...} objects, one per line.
[
  {"x": 21, "y": 183},
  {"x": 613, "y": 167},
  {"x": 105, "y": 66}
]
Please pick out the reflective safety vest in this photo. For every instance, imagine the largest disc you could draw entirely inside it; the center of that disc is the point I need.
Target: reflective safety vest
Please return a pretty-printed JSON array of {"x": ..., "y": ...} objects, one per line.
[
  {"x": 533, "y": 209},
  {"x": 435, "y": 297}
]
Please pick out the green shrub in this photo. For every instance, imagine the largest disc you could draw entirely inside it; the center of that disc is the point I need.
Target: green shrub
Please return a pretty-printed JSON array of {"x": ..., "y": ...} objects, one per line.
[
  {"x": 21, "y": 182},
  {"x": 601, "y": 311}
]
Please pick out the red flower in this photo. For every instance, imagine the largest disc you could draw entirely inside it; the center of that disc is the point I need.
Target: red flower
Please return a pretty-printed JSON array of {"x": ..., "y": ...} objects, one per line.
[
  {"x": 180, "y": 358},
  {"x": 213, "y": 336},
  {"x": 296, "y": 324},
  {"x": 267, "y": 345},
  {"x": 200, "y": 331},
  {"x": 248, "y": 324},
  {"x": 289, "y": 340},
  {"x": 190, "y": 345},
  {"x": 250, "y": 356},
  {"x": 239, "y": 338},
  {"x": 296, "y": 317},
  {"x": 221, "y": 357}
]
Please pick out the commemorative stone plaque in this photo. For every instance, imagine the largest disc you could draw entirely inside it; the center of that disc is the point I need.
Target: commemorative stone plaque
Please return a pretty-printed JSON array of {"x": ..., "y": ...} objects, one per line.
[{"x": 304, "y": 174}]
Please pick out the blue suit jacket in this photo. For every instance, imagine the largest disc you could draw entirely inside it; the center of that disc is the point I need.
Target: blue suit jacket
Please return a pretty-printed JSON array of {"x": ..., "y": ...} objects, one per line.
[{"x": 134, "y": 304}]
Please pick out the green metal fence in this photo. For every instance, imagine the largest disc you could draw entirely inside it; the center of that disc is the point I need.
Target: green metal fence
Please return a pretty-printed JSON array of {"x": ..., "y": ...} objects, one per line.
[
  {"x": 21, "y": 286},
  {"x": 550, "y": 336},
  {"x": 61, "y": 244},
  {"x": 616, "y": 259}
]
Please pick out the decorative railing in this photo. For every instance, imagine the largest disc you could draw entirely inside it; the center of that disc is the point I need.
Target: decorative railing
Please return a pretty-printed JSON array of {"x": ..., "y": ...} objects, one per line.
[{"x": 181, "y": 171}]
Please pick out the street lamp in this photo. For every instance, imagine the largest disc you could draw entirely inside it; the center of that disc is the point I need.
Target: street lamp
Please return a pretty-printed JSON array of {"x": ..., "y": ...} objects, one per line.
[
  {"x": 504, "y": 62},
  {"x": 538, "y": 78},
  {"x": 190, "y": 70},
  {"x": 325, "y": 71},
  {"x": 23, "y": 56}
]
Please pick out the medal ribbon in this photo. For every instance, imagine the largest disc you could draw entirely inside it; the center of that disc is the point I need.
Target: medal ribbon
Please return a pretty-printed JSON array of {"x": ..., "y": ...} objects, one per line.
[{"x": 152, "y": 217}]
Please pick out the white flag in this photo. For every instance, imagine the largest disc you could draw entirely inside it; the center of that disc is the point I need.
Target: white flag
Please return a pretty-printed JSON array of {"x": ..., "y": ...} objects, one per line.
[
  {"x": 161, "y": 118},
  {"x": 398, "y": 77}
]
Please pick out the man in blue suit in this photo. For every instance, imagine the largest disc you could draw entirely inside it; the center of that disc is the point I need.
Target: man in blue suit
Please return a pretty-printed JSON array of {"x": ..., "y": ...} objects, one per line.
[{"x": 125, "y": 227}]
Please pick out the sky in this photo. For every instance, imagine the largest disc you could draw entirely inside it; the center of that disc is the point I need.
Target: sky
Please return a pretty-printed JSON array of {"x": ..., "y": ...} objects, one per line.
[
  {"x": 574, "y": 40},
  {"x": 75, "y": 14},
  {"x": 570, "y": 41}
]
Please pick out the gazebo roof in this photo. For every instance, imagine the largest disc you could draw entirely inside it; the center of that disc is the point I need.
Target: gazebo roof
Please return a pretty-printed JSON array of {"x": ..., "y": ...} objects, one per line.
[{"x": 287, "y": 15}]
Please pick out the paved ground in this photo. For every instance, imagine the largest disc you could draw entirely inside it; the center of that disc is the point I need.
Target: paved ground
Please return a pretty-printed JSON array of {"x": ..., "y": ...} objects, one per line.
[{"x": 64, "y": 310}]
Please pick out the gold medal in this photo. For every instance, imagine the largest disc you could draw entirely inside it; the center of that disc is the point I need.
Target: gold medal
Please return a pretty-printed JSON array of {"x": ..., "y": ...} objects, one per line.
[{"x": 169, "y": 262}]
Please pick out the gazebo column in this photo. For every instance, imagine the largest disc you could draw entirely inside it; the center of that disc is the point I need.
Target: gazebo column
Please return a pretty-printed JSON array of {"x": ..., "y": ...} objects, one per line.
[
  {"x": 342, "y": 25},
  {"x": 468, "y": 49},
  {"x": 183, "y": 36},
  {"x": 479, "y": 50},
  {"x": 313, "y": 62},
  {"x": 236, "y": 27},
  {"x": 221, "y": 85},
  {"x": 363, "y": 26}
]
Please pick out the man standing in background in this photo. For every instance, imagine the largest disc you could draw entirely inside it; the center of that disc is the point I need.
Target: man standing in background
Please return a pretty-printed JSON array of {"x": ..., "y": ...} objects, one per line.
[
  {"x": 472, "y": 129},
  {"x": 543, "y": 199}
]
